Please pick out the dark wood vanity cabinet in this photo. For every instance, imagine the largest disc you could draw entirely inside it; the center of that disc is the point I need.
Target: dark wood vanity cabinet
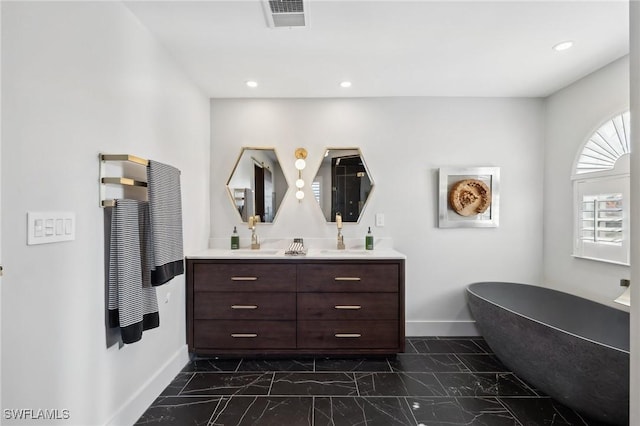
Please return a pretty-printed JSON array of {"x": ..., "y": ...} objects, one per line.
[{"x": 288, "y": 307}]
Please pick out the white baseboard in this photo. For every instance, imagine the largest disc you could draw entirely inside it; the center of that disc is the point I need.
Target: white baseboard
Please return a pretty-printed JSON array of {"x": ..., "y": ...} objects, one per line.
[
  {"x": 135, "y": 406},
  {"x": 441, "y": 328}
]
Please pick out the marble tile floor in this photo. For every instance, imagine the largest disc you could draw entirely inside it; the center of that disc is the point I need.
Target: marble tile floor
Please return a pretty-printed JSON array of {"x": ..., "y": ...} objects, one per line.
[{"x": 437, "y": 381}]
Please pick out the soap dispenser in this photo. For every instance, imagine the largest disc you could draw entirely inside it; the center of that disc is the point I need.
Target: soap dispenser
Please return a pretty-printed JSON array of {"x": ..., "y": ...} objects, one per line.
[
  {"x": 368, "y": 241},
  {"x": 235, "y": 239}
]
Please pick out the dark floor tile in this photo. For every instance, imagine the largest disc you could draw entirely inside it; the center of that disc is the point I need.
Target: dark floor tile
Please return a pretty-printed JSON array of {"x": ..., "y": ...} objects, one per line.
[
  {"x": 264, "y": 411},
  {"x": 483, "y": 384},
  {"x": 398, "y": 384},
  {"x": 352, "y": 364},
  {"x": 180, "y": 411},
  {"x": 535, "y": 389},
  {"x": 325, "y": 384},
  {"x": 409, "y": 348},
  {"x": 347, "y": 411},
  {"x": 228, "y": 384},
  {"x": 276, "y": 365},
  {"x": 545, "y": 411},
  {"x": 474, "y": 338},
  {"x": 460, "y": 411},
  {"x": 447, "y": 346},
  {"x": 425, "y": 363},
  {"x": 177, "y": 384},
  {"x": 438, "y": 381},
  {"x": 483, "y": 363},
  {"x": 484, "y": 345},
  {"x": 211, "y": 364}
]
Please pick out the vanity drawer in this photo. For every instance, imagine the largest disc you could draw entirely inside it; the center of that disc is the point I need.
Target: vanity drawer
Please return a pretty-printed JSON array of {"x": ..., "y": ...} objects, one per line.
[
  {"x": 244, "y": 306},
  {"x": 244, "y": 277},
  {"x": 217, "y": 334},
  {"x": 347, "y": 334},
  {"x": 347, "y": 306},
  {"x": 348, "y": 277}
]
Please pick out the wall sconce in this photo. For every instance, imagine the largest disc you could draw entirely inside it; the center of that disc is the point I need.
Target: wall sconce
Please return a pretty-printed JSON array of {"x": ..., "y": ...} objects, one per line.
[{"x": 301, "y": 155}]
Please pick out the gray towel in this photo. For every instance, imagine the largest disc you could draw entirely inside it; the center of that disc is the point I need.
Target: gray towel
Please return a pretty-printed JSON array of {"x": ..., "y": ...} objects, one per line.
[
  {"x": 165, "y": 212},
  {"x": 132, "y": 304}
]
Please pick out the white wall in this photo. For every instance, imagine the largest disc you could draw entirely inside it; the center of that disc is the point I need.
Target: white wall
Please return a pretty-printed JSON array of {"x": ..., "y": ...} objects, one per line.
[
  {"x": 572, "y": 115},
  {"x": 634, "y": 37},
  {"x": 404, "y": 141},
  {"x": 81, "y": 78},
  {"x": 0, "y": 211}
]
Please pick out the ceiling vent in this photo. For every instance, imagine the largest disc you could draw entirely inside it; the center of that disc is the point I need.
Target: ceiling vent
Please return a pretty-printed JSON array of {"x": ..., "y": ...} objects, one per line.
[{"x": 286, "y": 13}]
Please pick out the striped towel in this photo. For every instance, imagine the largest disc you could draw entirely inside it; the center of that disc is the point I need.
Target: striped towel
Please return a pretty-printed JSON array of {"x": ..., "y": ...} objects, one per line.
[
  {"x": 132, "y": 304},
  {"x": 165, "y": 212}
]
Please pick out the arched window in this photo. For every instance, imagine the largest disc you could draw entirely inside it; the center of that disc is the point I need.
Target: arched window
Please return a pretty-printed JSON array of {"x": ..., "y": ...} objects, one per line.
[{"x": 601, "y": 191}]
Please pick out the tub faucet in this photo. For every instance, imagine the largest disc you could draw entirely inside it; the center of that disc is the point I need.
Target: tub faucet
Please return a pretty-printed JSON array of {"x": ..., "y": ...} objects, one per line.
[{"x": 625, "y": 297}]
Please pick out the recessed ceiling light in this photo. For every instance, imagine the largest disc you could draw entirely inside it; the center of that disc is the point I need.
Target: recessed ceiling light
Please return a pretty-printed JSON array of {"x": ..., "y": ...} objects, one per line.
[
  {"x": 345, "y": 84},
  {"x": 563, "y": 45},
  {"x": 252, "y": 83}
]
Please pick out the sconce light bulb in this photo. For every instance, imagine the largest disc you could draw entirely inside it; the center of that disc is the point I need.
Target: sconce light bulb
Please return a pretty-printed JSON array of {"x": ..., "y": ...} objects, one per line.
[
  {"x": 299, "y": 194},
  {"x": 299, "y": 183},
  {"x": 300, "y": 164}
]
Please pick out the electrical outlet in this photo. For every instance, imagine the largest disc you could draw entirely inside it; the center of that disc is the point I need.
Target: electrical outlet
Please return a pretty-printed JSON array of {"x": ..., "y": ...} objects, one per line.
[{"x": 379, "y": 219}]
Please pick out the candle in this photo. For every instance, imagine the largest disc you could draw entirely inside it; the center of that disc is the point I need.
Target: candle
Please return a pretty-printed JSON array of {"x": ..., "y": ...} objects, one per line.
[
  {"x": 339, "y": 220},
  {"x": 250, "y": 221}
]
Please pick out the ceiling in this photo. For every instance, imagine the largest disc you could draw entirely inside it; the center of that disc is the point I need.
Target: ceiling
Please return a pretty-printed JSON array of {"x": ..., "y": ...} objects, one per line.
[{"x": 389, "y": 48}]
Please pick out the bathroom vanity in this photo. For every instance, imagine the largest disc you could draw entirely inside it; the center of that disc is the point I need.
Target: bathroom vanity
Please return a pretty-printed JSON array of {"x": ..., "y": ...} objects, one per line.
[{"x": 327, "y": 302}]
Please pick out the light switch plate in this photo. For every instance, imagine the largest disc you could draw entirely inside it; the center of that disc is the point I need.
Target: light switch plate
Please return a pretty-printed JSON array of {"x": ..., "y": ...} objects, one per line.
[
  {"x": 379, "y": 219},
  {"x": 50, "y": 227}
]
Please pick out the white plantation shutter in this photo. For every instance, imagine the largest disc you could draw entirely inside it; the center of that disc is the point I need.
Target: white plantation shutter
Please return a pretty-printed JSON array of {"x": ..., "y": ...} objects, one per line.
[
  {"x": 602, "y": 218},
  {"x": 601, "y": 194}
]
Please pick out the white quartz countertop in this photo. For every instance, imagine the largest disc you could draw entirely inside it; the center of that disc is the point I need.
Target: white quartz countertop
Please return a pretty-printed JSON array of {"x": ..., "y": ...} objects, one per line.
[{"x": 320, "y": 253}]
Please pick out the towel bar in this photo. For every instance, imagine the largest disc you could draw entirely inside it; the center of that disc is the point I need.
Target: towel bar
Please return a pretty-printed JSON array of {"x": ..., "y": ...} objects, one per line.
[
  {"x": 107, "y": 180},
  {"x": 123, "y": 181},
  {"x": 124, "y": 157}
]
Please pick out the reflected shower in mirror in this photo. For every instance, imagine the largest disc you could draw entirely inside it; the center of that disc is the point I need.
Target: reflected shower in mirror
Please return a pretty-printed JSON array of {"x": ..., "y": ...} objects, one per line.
[
  {"x": 342, "y": 184},
  {"x": 257, "y": 184}
]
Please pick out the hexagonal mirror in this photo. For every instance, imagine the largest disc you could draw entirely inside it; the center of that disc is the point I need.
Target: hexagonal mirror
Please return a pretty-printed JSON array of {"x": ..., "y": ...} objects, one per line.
[
  {"x": 257, "y": 184},
  {"x": 342, "y": 184}
]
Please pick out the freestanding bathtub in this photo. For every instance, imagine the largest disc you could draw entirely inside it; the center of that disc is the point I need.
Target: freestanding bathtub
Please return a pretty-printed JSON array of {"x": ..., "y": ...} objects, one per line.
[{"x": 573, "y": 349}]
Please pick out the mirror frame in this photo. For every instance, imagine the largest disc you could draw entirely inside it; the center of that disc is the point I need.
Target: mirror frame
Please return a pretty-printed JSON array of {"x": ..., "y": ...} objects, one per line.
[
  {"x": 368, "y": 171},
  {"x": 235, "y": 167}
]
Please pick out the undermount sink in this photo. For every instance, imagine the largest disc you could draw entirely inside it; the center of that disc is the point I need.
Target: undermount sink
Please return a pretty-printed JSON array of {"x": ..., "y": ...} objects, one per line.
[
  {"x": 259, "y": 252},
  {"x": 347, "y": 252}
]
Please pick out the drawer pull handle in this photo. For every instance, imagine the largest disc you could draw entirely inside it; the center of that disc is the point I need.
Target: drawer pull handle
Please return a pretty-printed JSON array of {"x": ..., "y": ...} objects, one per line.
[
  {"x": 244, "y": 306},
  {"x": 348, "y": 335},
  {"x": 243, "y": 335},
  {"x": 244, "y": 278},
  {"x": 347, "y": 278},
  {"x": 348, "y": 307}
]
